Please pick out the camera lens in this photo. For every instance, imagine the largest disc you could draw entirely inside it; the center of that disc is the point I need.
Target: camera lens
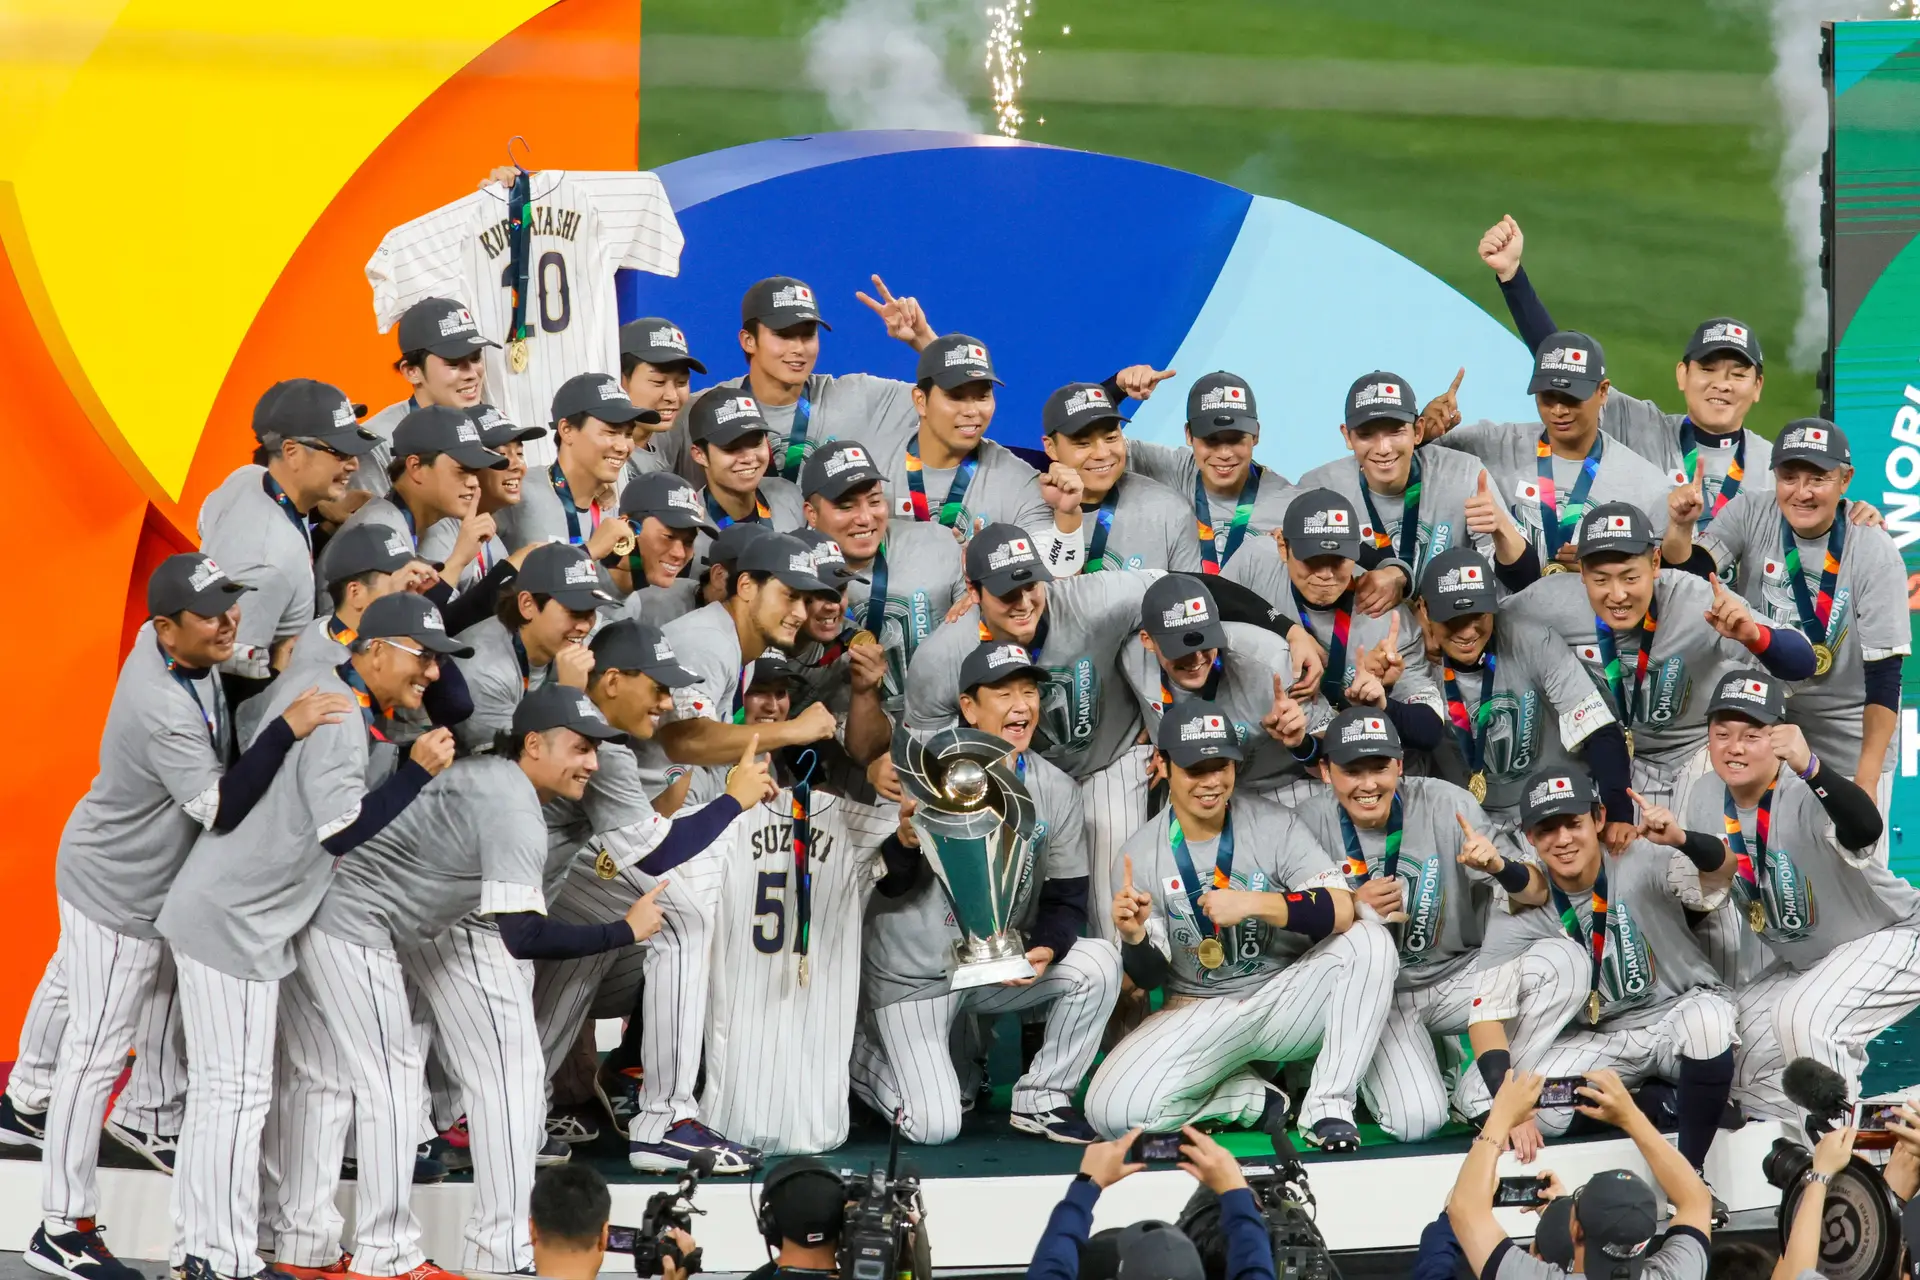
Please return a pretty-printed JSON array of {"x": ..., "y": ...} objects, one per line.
[{"x": 1785, "y": 1162}]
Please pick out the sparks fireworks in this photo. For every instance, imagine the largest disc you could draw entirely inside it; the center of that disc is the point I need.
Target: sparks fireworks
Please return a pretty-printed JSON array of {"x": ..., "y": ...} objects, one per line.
[{"x": 1007, "y": 62}]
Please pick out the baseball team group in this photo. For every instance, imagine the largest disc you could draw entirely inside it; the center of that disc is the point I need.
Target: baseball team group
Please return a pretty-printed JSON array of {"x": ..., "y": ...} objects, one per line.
[{"x": 559, "y": 691}]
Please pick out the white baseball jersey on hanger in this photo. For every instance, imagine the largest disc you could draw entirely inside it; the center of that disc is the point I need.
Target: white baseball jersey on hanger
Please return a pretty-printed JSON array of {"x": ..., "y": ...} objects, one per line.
[{"x": 585, "y": 227}]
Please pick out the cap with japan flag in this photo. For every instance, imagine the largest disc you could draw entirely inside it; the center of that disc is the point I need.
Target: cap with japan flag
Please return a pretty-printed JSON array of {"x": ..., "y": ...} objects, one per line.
[
  {"x": 438, "y": 428},
  {"x": 1002, "y": 559},
  {"x": 829, "y": 561},
  {"x": 366, "y": 548},
  {"x": 1457, "y": 582},
  {"x": 441, "y": 326},
  {"x": 1321, "y": 522},
  {"x": 408, "y": 615},
  {"x": 724, "y": 417},
  {"x": 633, "y": 645},
  {"x": 559, "y": 706},
  {"x": 1379, "y": 395},
  {"x": 598, "y": 395},
  {"x": 1813, "y": 440},
  {"x": 668, "y": 499},
  {"x": 1221, "y": 402},
  {"x": 659, "y": 342},
  {"x": 1077, "y": 407},
  {"x": 995, "y": 661},
  {"x": 953, "y": 361},
  {"x": 788, "y": 559},
  {"x": 191, "y": 582},
  {"x": 836, "y": 469},
  {"x": 1361, "y": 733},
  {"x": 1617, "y": 528},
  {"x": 1753, "y": 695},
  {"x": 302, "y": 409},
  {"x": 496, "y": 431},
  {"x": 1723, "y": 335},
  {"x": 1569, "y": 363},
  {"x": 1555, "y": 793},
  {"x": 1179, "y": 613},
  {"x": 568, "y": 574},
  {"x": 1194, "y": 730},
  {"x": 780, "y": 302}
]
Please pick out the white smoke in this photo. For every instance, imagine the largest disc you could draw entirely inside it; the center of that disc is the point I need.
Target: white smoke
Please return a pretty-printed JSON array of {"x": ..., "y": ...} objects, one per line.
[{"x": 882, "y": 64}]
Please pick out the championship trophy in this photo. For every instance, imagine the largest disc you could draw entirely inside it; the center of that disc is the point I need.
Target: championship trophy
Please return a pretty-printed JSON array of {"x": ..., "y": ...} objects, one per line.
[{"x": 976, "y": 826}]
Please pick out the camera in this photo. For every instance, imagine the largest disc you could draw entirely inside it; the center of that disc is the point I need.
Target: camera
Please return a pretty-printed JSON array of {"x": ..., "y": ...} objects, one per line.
[
  {"x": 878, "y": 1237},
  {"x": 649, "y": 1242},
  {"x": 1287, "y": 1206}
]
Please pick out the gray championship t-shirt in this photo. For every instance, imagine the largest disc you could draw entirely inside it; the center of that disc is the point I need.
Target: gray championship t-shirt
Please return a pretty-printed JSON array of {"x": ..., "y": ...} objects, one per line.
[
  {"x": 1447, "y": 481},
  {"x": 1150, "y": 527},
  {"x": 498, "y": 677},
  {"x": 472, "y": 840},
  {"x": 707, "y": 645},
  {"x": 876, "y": 411},
  {"x": 541, "y": 513},
  {"x": 1002, "y": 488},
  {"x": 786, "y": 511},
  {"x": 1654, "y": 434},
  {"x": 618, "y": 798},
  {"x": 1669, "y": 721},
  {"x": 162, "y": 754},
  {"x": 1415, "y": 686},
  {"x": 1174, "y": 467},
  {"x": 371, "y": 474},
  {"x": 1816, "y": 894},
  {"x": 255, "y": 542},
  {"x": 1258, "y": 566},
  {"x": 909, "y": 939},
  {"x": 244, "y": 894},
  {"x": 657, "y": 606},
  {"x": 1446, "y": 903},
  {"x": 314, "y": 650},
  {"x": 1273, "y": 852},
  {"x": 1088, "y": 718},
  {"x": 1652, "y": 958},
  {"x": 1510, "y": 451},
  {"x": 1869, "y": 618},
  {"x": 1681, "y": 1254}
]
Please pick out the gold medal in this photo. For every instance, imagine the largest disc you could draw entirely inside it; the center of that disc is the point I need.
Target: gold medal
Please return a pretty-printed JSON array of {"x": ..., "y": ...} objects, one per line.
[
  {"x": 517, "y": 355},
  {"x": 1553, "y": 566},
  {"x": 1593, "y": 1008},
  {"x": 1477, "y": 786},
  {"x": 1211, "y": 954},
  {"x": 605, "y": 867},
  {"x": 1822, "y": 659},
  {"x": 803, "y": 971},
  {"x": 624, "y": 544},
  {"x": 1756, "y": 916},
  {"x": 861, "y": 637},
  {"x": 1628, "y": 735}
]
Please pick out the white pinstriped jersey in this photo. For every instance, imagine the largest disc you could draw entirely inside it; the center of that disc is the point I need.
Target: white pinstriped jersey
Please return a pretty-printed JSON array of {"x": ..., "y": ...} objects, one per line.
[
  {"x": 585, "y": 226},
  {"x": 777, "y": 1051}
]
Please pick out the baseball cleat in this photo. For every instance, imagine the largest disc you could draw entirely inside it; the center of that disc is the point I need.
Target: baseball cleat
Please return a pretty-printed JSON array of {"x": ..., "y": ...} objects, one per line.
[
  {"x": 21, "y": 1128},
  {"x": 198, "y": 1268},
  {"x": 426, "y": 1168},
  {"x": 452, "y": 1148},
  {"x": 338, "y": 1267},
  {"x": 428, "y": 1270},
  {"x": 619, "y": 1093},
  {"x": 1333, "y": 1136},
  {"x": 1273, "y": 1116},
  {"x": 553, "y": 1151},
  {"x": 156, "y": 1149},
  {"x": 1062, "y": 1124},
  {"x": 79, "y": 1254},
  {"x": 571, "y": 1126},
  {"x": 682, "y": 1141}
]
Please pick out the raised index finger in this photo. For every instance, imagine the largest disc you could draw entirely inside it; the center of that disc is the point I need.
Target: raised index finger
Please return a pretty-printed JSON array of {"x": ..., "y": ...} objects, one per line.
[
  {"x": 753, "y": 749},
  {"x": 1129, "y": 871},
  {"x": 1456, "y": 380},
  {"x": 1465, "y": 826}
]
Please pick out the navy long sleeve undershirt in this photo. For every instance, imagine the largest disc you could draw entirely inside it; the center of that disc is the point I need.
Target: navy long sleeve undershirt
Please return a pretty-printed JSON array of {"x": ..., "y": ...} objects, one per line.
[
  {"x": 690, "y": 834},
  {"x": 532, "y": 936},
  {"x": 242, "y": 786}
]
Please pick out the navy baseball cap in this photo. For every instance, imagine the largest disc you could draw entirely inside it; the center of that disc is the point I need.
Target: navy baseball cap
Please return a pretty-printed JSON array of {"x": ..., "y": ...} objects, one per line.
[
  {"x": 559, "y": 706},
  {"x": 1813, "y": 440},
  {"x": 1321, "y": 522},
  {"x": 1616, "y": 1212},
  {"x": 406, "y": 615},
  {"x": 733, "y": 539},
  {"x": 1570, "y": 363},
  {"x": 724, "y": 416},
  {"x": 1157, "y": 1251},
  {"x": 659, "y": 342},
  {"x": 598, "y": 395},
  {"x": 836, "y": 469},
  {"x": 953, "y": 361},
  {"x": 191, "y": 582},
  {"x": 992, "y": 662},
  {"x": 305, "y": 409},
  {"x": 1457, "y": 582},
  {"x": 1379, "y": 395},
  {"x": 773, "y": 668},
  {"x": 1723, "y": 335},
  {"x": 1554, "y": 793},
  {"x": 786, "y": 558},
  {"x": 1077, "y": 407},
  {"x": 1193, "y": 730},
  {"x": 1222, "y": 402},
  {"x": 568, "y": 574},
  {"x": 1002, "y": 558},
  {"x": 668, "y": 499},
  {"x": 1753, "y": 694},
  {"x": 1361, "y": 733},
  {"x": 632, "y": 645},
  {"x": 780, "y": 302},
  {"x": 495, "y": 430},
  {"x": 829, "y": 561},
  {"x": 366, "y": 548},
  {"x": 436, "y": 428},
  {"x": 1616, "y": 528},
  {"x": 442, "y": 326},
  {"x": 1179, "y": 613}
]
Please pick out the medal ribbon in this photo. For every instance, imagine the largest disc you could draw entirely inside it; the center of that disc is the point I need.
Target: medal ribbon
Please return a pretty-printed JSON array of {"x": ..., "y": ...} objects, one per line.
[
  {"x": 1409, "y": 517},
  {"x": 1816, "y": 614},
  {"x": 1356, "y": 867},
  {"x": 721, "y": 520},
  {"x": 564, "y": 492},
  {"x": 1333, "y": 681},
  {"x": 1206, "y": 692},
  {"x": 371, "y": 713},
  {"x": 1211, "y": 557},
  {"x": 520, "y": 252},
  {"x": 281, "y": 500},
  {"x": 340, "y": 633},
  {"x": 1736, "y": 470},
  {"x": 738, "y": 713},
  {"x": 795, "y": 453},
  {"x": 1102, "y": 529},
  {"x": 1750, "y": 868},
  {"x": 1471, "y": 733},
  {"x": 1033, "y": 650},
  {"x": 1190, "y": 879},
  {"x": 877, "y": 592},
  {"x": 1558, "y": 523},
  {"x": 829, "y": 652},
  {"x": 1624, "y": 699},
  {"x": 520, "y": 656},
  {"x": 950, "y": 507},
  {"x": 1570, "y": 921},
  {"x": 802, "y": 861},
  {"x": 216, "y": 729}
]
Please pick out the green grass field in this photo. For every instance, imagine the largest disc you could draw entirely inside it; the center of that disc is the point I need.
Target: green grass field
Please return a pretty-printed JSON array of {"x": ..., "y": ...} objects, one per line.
[{"x": 1635, "y": 231}]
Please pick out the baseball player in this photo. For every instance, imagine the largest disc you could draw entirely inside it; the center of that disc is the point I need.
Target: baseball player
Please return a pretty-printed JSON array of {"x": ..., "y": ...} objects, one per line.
[
  {"x": 666, "y": 516},
  {"x": 1808, "y": 568},
  {"x": 904, "y": 1063},
  {"x": 242, "y": 896},
  {"x": 1234, "y": 497},
  {"x": 440, "y": 357},
  {"x": 1517, "y": 699},
  {"x": 1720, "y": 376},
  {"x": 655, "y": 370},
  {"x": 494, "y": 563},
  {"x": 258, "y": 522},
  {"x": 1618, "y": 925},
  {"x": 1570, "y": 466},
  {"x": 1184, "y": 651},
  {"x": 797, "y": 870},
  {"x": 703, "y": 584},
  {"x": 834, "y": 663},
  {"x": 1842, "y": 932},
  {"x": 537, "y": 637},
  {"x": 728, "y": 441},
  {"x": 1260, "y": 953},
  {"x": 1418, "y": 860},
  {"x": 1416, "y": 504},
  {"x": 1137, "y": 523},
  {"x": 948, "y": 472},
  {"x": 1653, "y": 640},
  {"x": 164, "y": 778},
  {"x": 909, "y": 573},
  {"x": 473, "y": 843},
  {"x": 569, "y": 232},
  {"x": 573, "y": 498}
]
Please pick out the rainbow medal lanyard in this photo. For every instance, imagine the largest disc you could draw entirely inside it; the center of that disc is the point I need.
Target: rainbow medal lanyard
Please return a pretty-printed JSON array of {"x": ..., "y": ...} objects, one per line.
[
  {"x": 1102, "y": 530},
  {"x": 1409, "y": 550},
  {"x": 519, "y": 266},
  {"x": 1211, "y": 953},
  {"x": 1817, "y": 622},
  {"x": 1333, "y": 681},
  {"x": 721, "y": 520},
  {"x": 1749, "y": 869},
  {"x": 1356, "y": 868},
  {"x": 371, "y": 713},
  {"x": 955, "y": 501},
  {"x": 1736, "y": 470},
  {"x": 285, "y": 503},
  {"x": 1558, "y": 523},
  {"x": 794, "y": 454},
  {"x": 1211, "y": 556},
  {"x": 802, "y": 796},
  {"x": 216, "y": 718},
  {"x": 1596, "y": 942},
  {"x": 1625, "y": 699},
  {"x": 1471, "y": 732}
]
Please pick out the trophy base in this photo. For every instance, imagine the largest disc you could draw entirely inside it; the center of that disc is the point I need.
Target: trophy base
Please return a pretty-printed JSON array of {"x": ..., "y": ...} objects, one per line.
[{"x": 985, "y": 973}]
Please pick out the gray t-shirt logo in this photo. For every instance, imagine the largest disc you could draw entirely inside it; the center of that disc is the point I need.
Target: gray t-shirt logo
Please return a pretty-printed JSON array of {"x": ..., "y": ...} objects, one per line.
[
  {"x": 1628, "y": 970},
  {"x": 1070, "y": 704},
  {"x": 1513, "y": 734},
  {"x": 1424, "y": 899}
]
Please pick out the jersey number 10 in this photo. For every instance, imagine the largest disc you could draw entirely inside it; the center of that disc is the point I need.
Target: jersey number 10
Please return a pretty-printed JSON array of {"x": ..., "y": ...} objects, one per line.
[{"x": 549, "y": 285}]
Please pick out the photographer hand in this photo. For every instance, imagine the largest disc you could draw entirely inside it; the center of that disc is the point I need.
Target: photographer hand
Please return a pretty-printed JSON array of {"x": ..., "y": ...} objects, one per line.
[
  {"x": 1105, "y": 1163},
  {"x": 669, "y": 1269},
  {"x": 1210, "y": 1163},
  {"x": 1835, "y": 1149}
]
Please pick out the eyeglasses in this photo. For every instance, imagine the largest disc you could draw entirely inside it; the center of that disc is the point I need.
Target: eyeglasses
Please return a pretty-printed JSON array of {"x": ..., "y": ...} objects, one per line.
[
  {"x": 418, "y": 653},
  {"x": 317, "y": 447}
]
